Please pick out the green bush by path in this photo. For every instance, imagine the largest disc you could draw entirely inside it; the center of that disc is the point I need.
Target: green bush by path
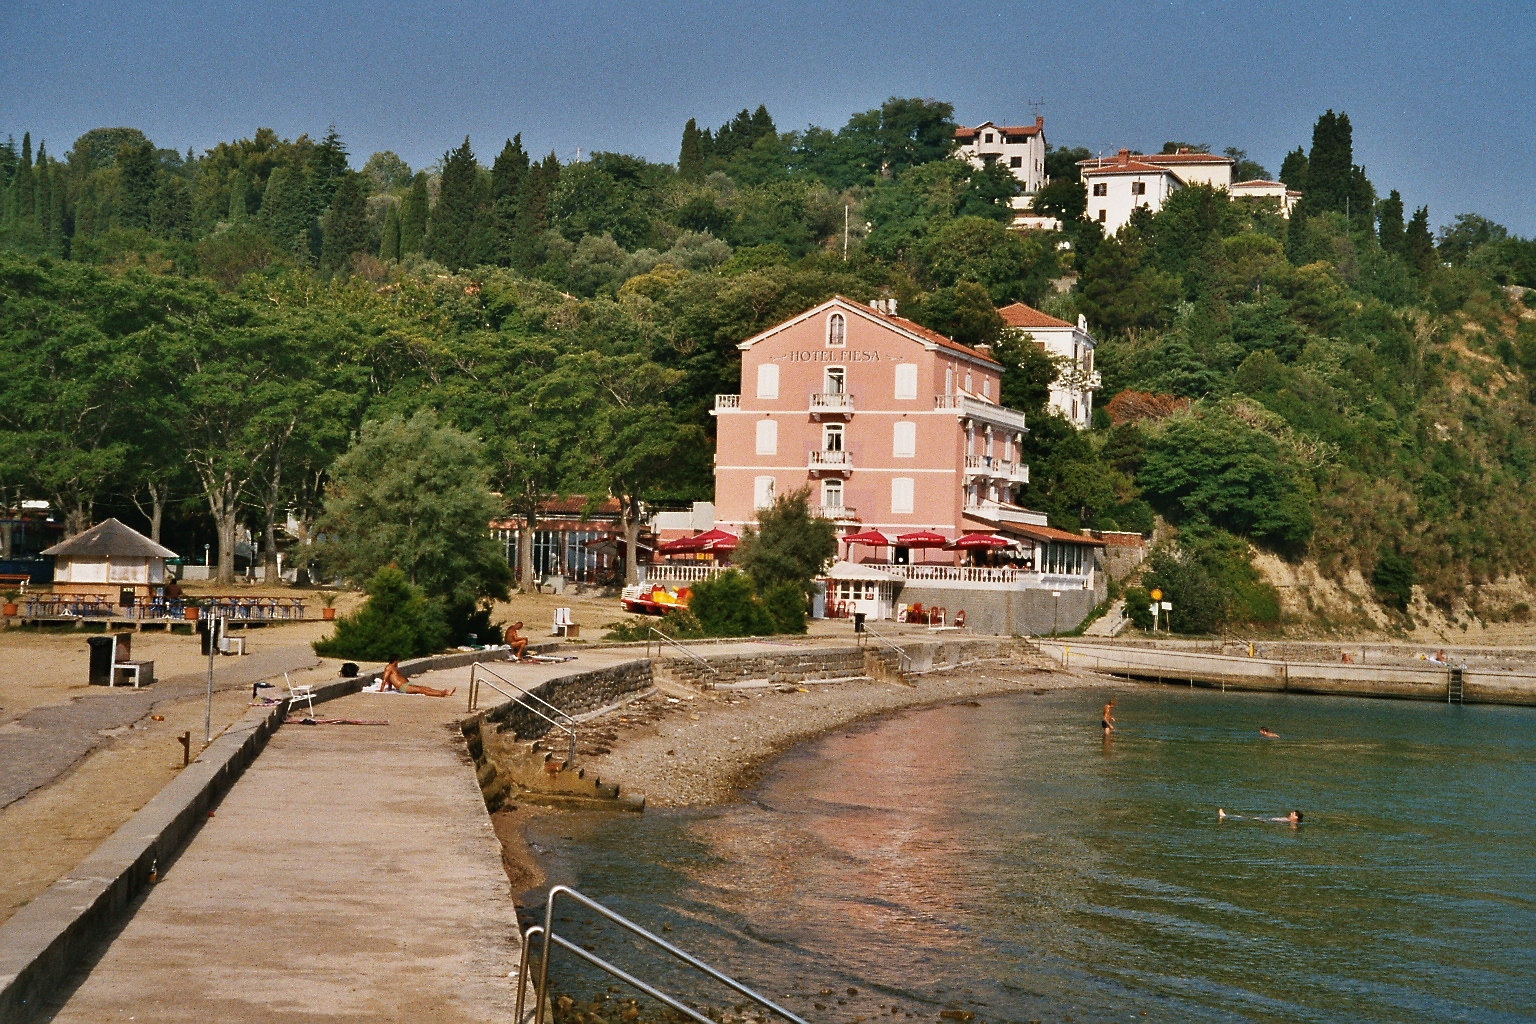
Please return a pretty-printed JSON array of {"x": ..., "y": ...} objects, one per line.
[{"x": 395, "y": 621}]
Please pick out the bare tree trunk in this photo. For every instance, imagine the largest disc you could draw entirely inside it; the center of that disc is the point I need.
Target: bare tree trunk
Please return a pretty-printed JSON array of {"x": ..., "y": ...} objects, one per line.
[
  {"x": 226, "y": 523},
  {"x": 159, "y": 495},
  {"x": 528, "y": 582},
  {"x": 629, "y": 516},
  {"x": 269, "y": 529}
]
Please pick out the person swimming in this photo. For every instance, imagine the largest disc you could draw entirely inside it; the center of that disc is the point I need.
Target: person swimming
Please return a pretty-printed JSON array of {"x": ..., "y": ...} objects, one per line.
[
  {"x": 1268, "y": 733},
  {"x": 1294, "y": 818},
  {"x": 1108, "y": 721}
]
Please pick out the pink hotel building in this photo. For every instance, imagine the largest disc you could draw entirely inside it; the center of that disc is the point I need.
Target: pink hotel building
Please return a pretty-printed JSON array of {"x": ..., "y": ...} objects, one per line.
[{"x": 897, "y": 428}]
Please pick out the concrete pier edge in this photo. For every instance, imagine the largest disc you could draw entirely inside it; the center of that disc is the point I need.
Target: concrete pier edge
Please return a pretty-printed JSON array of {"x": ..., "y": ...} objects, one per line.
[{"x": 44, "y": 941}]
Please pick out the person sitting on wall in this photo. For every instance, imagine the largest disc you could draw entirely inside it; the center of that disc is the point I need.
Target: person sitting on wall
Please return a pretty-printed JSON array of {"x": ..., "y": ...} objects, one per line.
[
  {"x": 516, "y": 641},
  {"x": 394, "y": 679}
]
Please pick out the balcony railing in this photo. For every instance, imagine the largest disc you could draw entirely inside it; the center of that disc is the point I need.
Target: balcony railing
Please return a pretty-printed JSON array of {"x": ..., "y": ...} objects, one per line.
[
  {"x": 992, "y": 466},
  {"x": 836, "y": 513},
  {"x": 679, "y": 572},
  {"x": 727, "y": 402},
  {"x": 975, "y": 408},
  {"x": 837, "y": 462},
  {"x": 839, "y": 403},
  {"x": 999, "y": 576}
]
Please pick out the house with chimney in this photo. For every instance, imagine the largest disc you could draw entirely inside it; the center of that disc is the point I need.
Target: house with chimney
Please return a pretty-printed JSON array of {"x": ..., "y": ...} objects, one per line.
[
  {"x": 1072, "y": 347},
  {"x": 1118, "y": 185}
]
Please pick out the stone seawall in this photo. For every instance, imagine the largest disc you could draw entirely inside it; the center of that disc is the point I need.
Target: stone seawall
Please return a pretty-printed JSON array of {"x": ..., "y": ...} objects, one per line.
[
  {"x": 1007, "y": 612},
  {"x": 574, "y": 694}
]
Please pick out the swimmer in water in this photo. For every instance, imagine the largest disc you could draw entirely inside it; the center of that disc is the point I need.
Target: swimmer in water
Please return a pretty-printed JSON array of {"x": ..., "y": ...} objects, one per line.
[
  {"x": 1294, "y": 818},
  {"x": 1266, "y": 732},
  {"x": 1108, "y": 721}
]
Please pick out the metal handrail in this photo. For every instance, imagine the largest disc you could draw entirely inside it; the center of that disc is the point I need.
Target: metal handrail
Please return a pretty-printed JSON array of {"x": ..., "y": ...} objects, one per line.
[
  {"x": 623, "y": 922},
  {"x": 901, "y": 653},
  {"x": 674, "y": 643},
  {"x": 474, "y": 700}
]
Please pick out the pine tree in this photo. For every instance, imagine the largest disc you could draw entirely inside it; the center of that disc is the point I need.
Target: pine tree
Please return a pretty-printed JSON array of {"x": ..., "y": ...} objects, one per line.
[
  {"x": 413, "y": 216},
  {"x": 285, "y": 212},
  {"x": 43, "y": 195},
  {"x": 690, "y": 160},
  {"x": 1389, "y": 217},
  {"x": 451, "y": 226},
  {"x": 346, "y": 224},
  {"x": 498, "y": 223},
  {"x": 389, "y": 240},
  {"x": 762, "y": 123},
  {"x": 1418, "y": 243},
  {"x": 9, "y": 158},
  {"x": 23, "y": 210},
  {"x": 57, "y": 241},
  {"x": 533, "y": 213},
  {"x": 1293, "y": 170},
  {"x": 327, "y": 164},
  {"x": 171, "y": 214},
  {"x": 136, "y": 183},
  {"x": 1296, "y": 247}
]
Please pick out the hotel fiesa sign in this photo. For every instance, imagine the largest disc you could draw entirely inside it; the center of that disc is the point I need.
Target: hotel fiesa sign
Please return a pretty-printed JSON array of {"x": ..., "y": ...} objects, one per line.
[{"x": 828, "y": 355}]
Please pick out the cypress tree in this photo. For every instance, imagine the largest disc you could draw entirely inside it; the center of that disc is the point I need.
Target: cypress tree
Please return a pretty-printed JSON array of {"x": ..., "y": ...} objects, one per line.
[
  {"x": 136, "y": 183},
  {"x": 1389, "y": 217},
  {"x": 285, "y": 212},
  {"x": 9, "y": 158},
  {"x": 42, "y": 215},
  {"x": 237, "y": 211},
  {"x": 346, "y": 224},
  {"x": 690, "y": 160},
  {"x": 1418, "y": 243},
  {"x": 533, "y": 213},
  {"x": 57, "y": 241},
  {"x": 762, "y": 123},
  {"x": 327, "y": 165},
  {"x": 389, "y": 240},
  {"x": 1296, "y": 237},
  {"x": 495, "y": 228},
  {"x": 1293, "y": 170},
  {"x": 413, "y": 216},
  {"x": 171, "y": 214},
  {"x": 450, "y": 228},
  {"x": 23, "y": 212}
]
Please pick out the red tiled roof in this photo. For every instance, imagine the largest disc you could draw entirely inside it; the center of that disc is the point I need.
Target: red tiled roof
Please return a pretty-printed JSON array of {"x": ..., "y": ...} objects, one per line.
[
  {"x": 1012, "y": 129},
  {"x": 1129, "y": 167},
  {"x": 1020, "y": 315},
  {"x": 1187, "y": 158},
  {"x": 921, "y": 331},
  {"x": 1255, "y": 182}
]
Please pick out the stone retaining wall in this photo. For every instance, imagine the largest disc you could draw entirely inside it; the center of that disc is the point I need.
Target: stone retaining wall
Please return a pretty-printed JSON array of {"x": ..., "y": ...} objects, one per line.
[
  {"x": 1021, "y": 612},
  {"x": 790, "y": 667},
  {"x": 573, "y": 694}
]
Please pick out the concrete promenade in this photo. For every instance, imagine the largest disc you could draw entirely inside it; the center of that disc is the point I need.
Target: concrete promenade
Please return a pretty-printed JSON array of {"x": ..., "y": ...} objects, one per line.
[{"x": 352, "y": 872}]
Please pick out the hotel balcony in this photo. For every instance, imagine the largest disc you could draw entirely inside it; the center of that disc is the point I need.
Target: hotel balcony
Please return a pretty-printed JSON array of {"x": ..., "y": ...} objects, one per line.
[
  {"x": 831, "y": 405},
  {"x": 993, "y": 468},
  {"x": 723, "y": 402},
  {"x": 986, "y": 412},
  {"x": 820, "y": 463},
  {"x": 836, "y": 513}
]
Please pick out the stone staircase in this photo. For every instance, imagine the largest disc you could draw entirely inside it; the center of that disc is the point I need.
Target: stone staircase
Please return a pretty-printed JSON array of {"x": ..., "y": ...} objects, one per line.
[{"x": 511, "y": 770}]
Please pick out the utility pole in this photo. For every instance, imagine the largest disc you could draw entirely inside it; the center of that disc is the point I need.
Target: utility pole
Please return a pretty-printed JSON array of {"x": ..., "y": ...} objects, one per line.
[{"x": 845, "y": 232}]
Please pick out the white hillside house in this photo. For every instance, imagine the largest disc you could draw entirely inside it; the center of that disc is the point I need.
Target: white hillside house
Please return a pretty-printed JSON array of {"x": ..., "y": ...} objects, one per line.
[
  {"x": 1271, "y": 190},
  {"x": 1020, "y": 148},
  {"x": 1072, "y": 391},
  {"x": 1118, "y": 185}
]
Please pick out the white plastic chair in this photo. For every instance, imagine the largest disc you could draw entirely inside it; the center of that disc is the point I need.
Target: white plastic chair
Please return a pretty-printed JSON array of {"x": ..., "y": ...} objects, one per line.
[{"x": 301, "y": 693}]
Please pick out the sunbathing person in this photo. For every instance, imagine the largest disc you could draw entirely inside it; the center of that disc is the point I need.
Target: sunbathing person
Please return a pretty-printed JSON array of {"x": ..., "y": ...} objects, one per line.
[
  {"x": 518, "y": 643},
  {"x": 394, "y": 679}
]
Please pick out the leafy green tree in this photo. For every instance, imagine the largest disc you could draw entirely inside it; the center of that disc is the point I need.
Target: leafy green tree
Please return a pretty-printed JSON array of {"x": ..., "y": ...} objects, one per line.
[
  {"x": 171, "y": 214},
  {"x": 413, "y": 216},
  {"x": 690, "y": 158},
  {"x": 1066, "y": 199},
  {"x": 450, "y": 230},
  {"x": 901, "y": 134},
  {"x": 1028, "y": 372},
  {"x": 495, "y": 230},
  {"x": 1293, "y": 170},
  {"x": 238, "y": 211},
  {"x": 396, "y": 621},
  {"x": 789, "y": 544},
  {"x": 1209, "y": 579},
  {"x": 1120, "y": 293},
  {"x": 386, "y": 172},
  {"x": 1213, "y": 468},
  {"x": 1244, "y": 169},
  {"x": 728, "y": 606},
  {"x": 1009, "y": 266},
  {"x": 1470, "y": 232},
  {"x": 346, "y": 223},
  {"x": 285, "y": 213},
  {"x": 964, "y": 312},
  {"x": 416, "y": 494},
  {"x": 1392, "y": 579}
]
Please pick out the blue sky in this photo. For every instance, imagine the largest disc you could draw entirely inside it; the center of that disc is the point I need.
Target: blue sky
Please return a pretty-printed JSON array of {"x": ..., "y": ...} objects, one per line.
[{"x": 1442, "y": 96}]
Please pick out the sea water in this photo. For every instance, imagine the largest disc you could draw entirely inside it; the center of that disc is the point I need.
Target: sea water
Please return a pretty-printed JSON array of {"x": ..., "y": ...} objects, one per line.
[{"x": 1006, "y": 860}]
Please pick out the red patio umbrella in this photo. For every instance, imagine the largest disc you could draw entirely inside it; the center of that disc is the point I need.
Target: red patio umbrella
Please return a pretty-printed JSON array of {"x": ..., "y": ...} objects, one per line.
[
  {"x": 872, "y": 538},
  {"x": 717, "y": 540},
  {"x": 922, "y": 539},
  {"x": 978, "y": 541},
  {"x": 681, "y": 546}
]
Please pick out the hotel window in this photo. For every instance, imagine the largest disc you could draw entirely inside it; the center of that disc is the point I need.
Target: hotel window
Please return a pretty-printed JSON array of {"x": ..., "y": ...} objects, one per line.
[
  {"x": 767, "y": 437},
  {"x": 832, "y": 437},
  {"x": 987, "y": 137},
  {"x": 904, "y": 439},
  {"x": 836, "y": 381},
  {"x": 989, "y": 442},
  {"x": 768, "y": 381},
  {"x": 1103, "y": 216},
  {"x": 1015, "y": 161},
  {"x": 901, "y": 494},
  {"x": 1088, "y": 361},
  {"x": 986, "y": 388},
  {"x": 949, "y": 380},
  {"x": 762, "y": 491},
  {"x": 969, "y": 387},
  {"x": 832, "y": 493},
  {"x": 1138, "y": 188},
  {"x": 906, "y": 380},
  {"x": 837, "y": 331},
  {"x": 1101, "y": 188}
]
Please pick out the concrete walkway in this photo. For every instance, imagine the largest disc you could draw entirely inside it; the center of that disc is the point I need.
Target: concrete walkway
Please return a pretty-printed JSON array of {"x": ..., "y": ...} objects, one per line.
[{"x": 351, "y": 873}]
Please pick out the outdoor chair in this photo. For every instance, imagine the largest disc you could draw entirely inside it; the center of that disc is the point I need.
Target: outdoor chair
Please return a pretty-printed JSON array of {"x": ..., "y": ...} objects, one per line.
[
  {"x": 563, "y": 624},
  {"x": 302, "y": 693}
]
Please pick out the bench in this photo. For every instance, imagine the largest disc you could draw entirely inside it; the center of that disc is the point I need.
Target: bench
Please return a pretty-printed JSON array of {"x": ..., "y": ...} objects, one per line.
[
  {"x": 564, "y": 626},
  {"x": 143, "y": 672}
]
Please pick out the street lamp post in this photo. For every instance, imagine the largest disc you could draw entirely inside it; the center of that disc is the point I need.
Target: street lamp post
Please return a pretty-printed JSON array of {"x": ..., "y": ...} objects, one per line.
[{"x": 1055, "y": 611}]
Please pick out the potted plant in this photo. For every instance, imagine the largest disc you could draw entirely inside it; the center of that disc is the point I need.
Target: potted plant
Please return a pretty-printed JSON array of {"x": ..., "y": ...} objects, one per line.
[
  {"x": 190, "y": 609},
  {"x": 10, "y": 610},
  {"x": 328, "y": 598}
]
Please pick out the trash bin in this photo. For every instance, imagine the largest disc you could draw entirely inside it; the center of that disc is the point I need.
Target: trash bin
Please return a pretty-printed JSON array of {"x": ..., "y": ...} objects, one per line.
[
  {"x": 858, "y": 622},
  {"x": 101, "y": 659}
]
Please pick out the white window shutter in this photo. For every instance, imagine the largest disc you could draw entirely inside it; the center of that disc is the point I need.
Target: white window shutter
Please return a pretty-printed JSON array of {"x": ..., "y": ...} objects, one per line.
[
  {"x": 904, "y": 439},
  {"x": 762, "y": 492},
  {"x": 906, "y": 380},
  {"x": 901, "y": 494},
  {"x": 768, "y": 381},
  {"x": 767, "y": 437}
]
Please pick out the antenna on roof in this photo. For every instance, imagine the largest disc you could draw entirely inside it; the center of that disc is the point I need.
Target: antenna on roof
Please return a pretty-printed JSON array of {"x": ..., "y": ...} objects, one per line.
[{"x": 1035, "y": 105}]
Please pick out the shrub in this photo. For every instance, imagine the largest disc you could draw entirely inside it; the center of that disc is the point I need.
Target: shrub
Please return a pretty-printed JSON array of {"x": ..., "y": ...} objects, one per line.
[
  {"x": 1138, "y": 607},
  {"x": 786, "y": 605},
  {"x": 1393, "y": 580},
  {"x": 396, "y": 620},
  {"x": 1211, "y": 583},
  {"x": 679, "y": 624},
  {"x": 726, "y": 606}
]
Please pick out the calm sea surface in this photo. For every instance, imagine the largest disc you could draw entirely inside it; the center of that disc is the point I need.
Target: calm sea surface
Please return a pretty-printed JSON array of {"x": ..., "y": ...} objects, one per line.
[{"x": 1006, "y": 861}]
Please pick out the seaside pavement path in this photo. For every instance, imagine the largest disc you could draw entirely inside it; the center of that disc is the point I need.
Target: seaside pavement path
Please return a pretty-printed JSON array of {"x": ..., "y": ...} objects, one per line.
[{"x": 352, "y": 872}]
